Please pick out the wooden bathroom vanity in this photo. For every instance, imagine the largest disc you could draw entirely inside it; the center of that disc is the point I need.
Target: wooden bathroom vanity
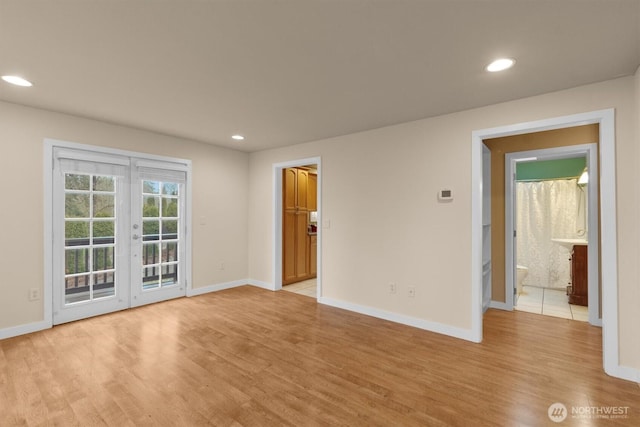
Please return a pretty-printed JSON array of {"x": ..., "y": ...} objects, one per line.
[{"x": 578, "y": 288}]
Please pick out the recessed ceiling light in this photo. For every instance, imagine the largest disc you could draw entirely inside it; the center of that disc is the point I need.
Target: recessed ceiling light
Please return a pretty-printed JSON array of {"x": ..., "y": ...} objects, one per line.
[
  {"x": 500, "y": 64},
  {"x": 18, "y": 81},
  {"x": 238, "y": 137}
]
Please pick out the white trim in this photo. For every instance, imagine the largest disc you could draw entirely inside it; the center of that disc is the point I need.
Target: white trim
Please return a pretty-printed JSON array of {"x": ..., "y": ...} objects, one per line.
[
  {"x": 500, "y": 305},
  {"x": 606, "y": 119},
  {"x": 161, "y": 164},
  {"x": 261, "y": 284},
  {"x": 217, "y": 287},
  {"x": 627, "y": 373},
  {"x": 174, "y": 161},
  {"x": 476, "y": 241},
  {"x": 609, "y": 246},
  {"x": 229, "y": 285},
  {"x": 27, "y": 328},
  {"x": 47, "y": 292},
  {"x": 277, "y": 220},
  {"x": 465, "y": 334}
]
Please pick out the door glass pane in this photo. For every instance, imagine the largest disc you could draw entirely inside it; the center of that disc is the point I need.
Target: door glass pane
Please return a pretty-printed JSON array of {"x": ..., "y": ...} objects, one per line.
[
  {"x": 151, "y": 207},
  {"x": 76, "y": 205},
  {"x": 169, "y": 251},
  {"x": 169, "y": 207},
  {"x": 169, "y": 229},
  {"x": 76, "y": 233},
  {"x": 150, "y": 187},
  {"x": 104, "y": 284},
  {"x": 150, "y": 277},
  {"x": 170, "y": 188},
  {"x": 76, "y": 261},
  {"x": 104, "y": 232},
  {"x": 150, "y": 230},
  {"x": 103, "y": 205},
  {"x": 77, "y": 289},
  {"x": 76, "y": 182},
  {"x": 90, "y": 249},
  {"x": 104, "y": 183},
  {"x": 150, "y": 254},
  {"x": 159, "y": 259},
  {"x": 103, "y": 258},
  {"x": 169, "y": 274}
]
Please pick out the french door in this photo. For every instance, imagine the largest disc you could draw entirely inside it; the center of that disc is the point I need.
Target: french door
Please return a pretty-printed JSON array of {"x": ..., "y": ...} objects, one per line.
[
  {"x": 157, "y": 240},
  {"x": 119, "y": 233}
]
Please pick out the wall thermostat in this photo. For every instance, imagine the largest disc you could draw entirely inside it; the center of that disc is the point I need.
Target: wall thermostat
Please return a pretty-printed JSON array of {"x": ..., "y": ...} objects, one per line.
[{"x": 445, "y": 195}]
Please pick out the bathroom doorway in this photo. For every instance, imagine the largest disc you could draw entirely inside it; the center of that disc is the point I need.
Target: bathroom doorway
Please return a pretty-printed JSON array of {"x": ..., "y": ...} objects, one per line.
[
  {"x": 604, "y": 120},
  {"x": 551, "y": 232}
]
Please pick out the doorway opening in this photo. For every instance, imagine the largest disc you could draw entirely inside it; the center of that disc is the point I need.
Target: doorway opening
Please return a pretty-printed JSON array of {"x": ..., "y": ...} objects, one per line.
[
  {"x": 297, "y": 234},
  {"x": 605, "y": 119},
  {"x": 552, "y": 232}
]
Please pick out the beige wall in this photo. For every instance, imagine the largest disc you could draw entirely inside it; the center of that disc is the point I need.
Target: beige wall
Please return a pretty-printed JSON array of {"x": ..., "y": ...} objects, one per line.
[
  {"x": 379, "y": 192},
  {"x": 220, "y": 189}
]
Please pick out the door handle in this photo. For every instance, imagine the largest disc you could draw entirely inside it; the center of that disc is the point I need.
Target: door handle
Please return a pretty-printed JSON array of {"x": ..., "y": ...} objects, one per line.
[{"x": 135, "y": 237}]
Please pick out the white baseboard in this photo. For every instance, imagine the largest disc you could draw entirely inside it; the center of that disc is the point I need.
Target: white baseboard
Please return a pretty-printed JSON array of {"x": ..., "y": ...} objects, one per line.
[
  {"x": 261, "y": 284},
  {"x": 625, "y": 373},
  {"x": 465, "y": 334},
  {"x": 228, "y": 285},
  {"x": 27, "y": 328},
  {"x": 217, "y": 287},
  {"x": 499, "y": 305}
]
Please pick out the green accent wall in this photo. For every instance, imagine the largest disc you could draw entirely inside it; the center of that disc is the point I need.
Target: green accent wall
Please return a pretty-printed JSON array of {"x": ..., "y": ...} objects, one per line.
[{"x": 550, "y": 169}]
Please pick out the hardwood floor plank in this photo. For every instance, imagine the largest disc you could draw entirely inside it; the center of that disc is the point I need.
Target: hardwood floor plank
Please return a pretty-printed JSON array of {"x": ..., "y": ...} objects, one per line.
[{"x": 250, "y": 357}]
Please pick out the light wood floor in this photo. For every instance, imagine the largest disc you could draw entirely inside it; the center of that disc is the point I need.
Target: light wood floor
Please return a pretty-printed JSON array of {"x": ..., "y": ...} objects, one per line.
[{"x": 251, "y": 357}]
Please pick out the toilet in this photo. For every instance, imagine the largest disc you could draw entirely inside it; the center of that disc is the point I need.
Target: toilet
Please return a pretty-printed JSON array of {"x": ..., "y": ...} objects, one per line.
[{"x": 521, "y": 274}]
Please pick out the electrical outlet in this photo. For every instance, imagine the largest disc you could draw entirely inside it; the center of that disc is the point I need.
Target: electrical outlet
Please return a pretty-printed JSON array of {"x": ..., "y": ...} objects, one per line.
[
  {"x": 222, "y": 265},
  {"x": 34, "y": 294},
  {"x": 392, "y": 288},
  {"x": 412, "y": 291}
]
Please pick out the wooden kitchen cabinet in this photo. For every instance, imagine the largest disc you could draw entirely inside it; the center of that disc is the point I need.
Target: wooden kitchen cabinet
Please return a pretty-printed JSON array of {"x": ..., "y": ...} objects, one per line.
[
  {"x": 312, "y": 192},
  {"x": 578, "y": 290},
  {"x": 296, "y": 261},
  {"x": 313, "y": 255}
]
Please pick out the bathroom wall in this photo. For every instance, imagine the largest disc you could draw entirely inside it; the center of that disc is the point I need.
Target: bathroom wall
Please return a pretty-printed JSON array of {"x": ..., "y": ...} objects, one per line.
[{"x": 550, "y": 169}]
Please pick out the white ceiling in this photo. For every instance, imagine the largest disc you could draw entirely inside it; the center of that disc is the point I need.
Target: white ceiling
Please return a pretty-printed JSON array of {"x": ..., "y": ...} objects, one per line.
[{"x": 282, "y": 72}]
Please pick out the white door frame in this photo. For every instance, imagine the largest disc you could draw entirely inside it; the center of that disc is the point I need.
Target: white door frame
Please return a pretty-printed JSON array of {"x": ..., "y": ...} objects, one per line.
[
  {"x": 48, "y": 163},
  {"x": 277, "y": 219},
  {"x": 590, "y": 152},
  {"x": 606, "y": 120}
]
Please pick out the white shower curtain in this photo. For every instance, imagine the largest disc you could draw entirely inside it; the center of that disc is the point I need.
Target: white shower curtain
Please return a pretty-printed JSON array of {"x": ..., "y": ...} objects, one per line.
[{"x": 546, "y": 210}]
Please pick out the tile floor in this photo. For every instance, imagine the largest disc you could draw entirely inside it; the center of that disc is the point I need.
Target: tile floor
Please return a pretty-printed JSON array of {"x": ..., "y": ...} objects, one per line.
[
  {"x": 550, "y": 302},
  {"x": 306, "y": 288}
]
